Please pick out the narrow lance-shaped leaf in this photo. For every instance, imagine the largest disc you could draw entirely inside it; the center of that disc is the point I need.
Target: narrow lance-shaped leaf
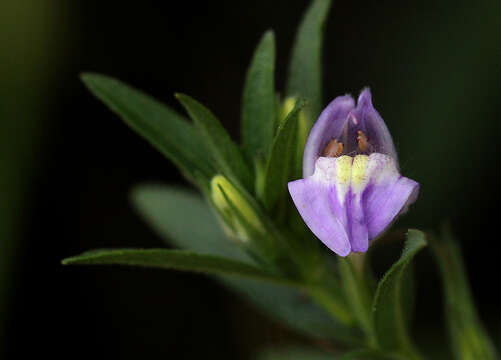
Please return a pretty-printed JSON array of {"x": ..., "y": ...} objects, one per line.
[
  {"x": 173, "y": 259},
  {"x": 166, "y": 130},
  {"x": 258, "y": 105},
  {"x": 305, "y": 68},
  {"x": 280, "y": 162},
  {"x": 227, "y": 155},
  {"x": 408, "y": 294},
  {"x": 389, "y": 319},
  {"x": 183, "y": 218},
  {"x": 468, "y": 336}
]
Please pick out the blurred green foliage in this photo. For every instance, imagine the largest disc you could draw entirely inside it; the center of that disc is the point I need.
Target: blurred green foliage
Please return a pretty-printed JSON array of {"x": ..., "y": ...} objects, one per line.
[
  {"x": 468, "y": 337},
  {"x": 29, "y": 39}
]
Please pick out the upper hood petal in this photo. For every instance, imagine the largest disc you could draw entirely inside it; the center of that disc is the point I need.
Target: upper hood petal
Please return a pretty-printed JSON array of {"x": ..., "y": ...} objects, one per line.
[
  {"x": 329, "y": 125},
  {"x": 366, "y": 119}
]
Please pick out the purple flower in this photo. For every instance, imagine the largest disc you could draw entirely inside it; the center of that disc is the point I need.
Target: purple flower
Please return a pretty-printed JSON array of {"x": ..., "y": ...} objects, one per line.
[{"x": 352, "y": 189}]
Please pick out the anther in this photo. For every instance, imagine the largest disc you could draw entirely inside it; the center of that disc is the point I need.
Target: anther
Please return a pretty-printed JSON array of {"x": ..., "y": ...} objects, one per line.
[
  {"x": 363, "y": 143},
  {"x": 333, "y": 149}
]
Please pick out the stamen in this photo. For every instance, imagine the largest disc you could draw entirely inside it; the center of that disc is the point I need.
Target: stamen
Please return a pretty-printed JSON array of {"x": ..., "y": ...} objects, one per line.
[
  {"x": 333, "y": 148},
  {"x": 363, "y": 143}
]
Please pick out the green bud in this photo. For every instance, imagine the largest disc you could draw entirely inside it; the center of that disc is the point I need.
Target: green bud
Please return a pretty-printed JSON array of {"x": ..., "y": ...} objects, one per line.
[
  {"x": 287, "y": 107},
  {"x": 223, "y": 192}
]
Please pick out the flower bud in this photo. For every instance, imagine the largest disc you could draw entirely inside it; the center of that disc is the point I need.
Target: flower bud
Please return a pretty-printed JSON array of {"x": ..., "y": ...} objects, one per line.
[{"x": 239, "y": 217}]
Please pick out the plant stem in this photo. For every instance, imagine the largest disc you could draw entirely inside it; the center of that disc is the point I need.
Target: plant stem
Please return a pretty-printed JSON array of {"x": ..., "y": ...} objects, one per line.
[{"x": 333, "y": 303}]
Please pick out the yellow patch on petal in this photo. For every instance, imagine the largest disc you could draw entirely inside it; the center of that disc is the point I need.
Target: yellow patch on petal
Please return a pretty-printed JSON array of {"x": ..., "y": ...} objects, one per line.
[
  {"x": 343, "y": 169},
  {"x": 343, "y": 176},
  {"x": 358, "y": 172}
]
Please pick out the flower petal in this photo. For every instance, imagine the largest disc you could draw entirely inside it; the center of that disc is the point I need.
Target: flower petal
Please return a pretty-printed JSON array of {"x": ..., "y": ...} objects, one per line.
[
  {"x": 317, "y": 203},
  {"x": 384, "y": 203},
  {"x": 329, "y": 125},
  {"x": 359, "y": 233},
  {"x": 366, "y": 119},
  {"x": 387, "y": 194}
]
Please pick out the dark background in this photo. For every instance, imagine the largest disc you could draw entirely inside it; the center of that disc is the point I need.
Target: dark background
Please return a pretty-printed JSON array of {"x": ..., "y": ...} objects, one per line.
[{"x": 68, "y": 164}]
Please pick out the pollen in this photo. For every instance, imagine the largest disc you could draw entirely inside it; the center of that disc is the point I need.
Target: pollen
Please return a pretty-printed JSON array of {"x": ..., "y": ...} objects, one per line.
[
  {"x": 363, "y": 143},
  {"x": 333, "y": 148}
]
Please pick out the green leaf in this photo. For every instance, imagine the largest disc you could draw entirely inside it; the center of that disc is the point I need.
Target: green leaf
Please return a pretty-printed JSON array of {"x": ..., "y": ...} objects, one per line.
[
  {"x": 259, "y": 102},
  {"x": 229, "y": 159},
  {"x": 388, "y": 310},
  {"x": 408, "y": 294},
  {"x": 283, "y": 153},
  {"x": 184, "y": 219},
  {"x": 166, "y": 130},
  {"x": 172, "y": 259},
  {"x": 305, "y": 68},
  {"x": 468, "y": 336}
]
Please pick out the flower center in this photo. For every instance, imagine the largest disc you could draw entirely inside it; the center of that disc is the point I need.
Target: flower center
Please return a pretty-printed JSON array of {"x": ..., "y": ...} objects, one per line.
[{"x": 335, "y": 148}]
